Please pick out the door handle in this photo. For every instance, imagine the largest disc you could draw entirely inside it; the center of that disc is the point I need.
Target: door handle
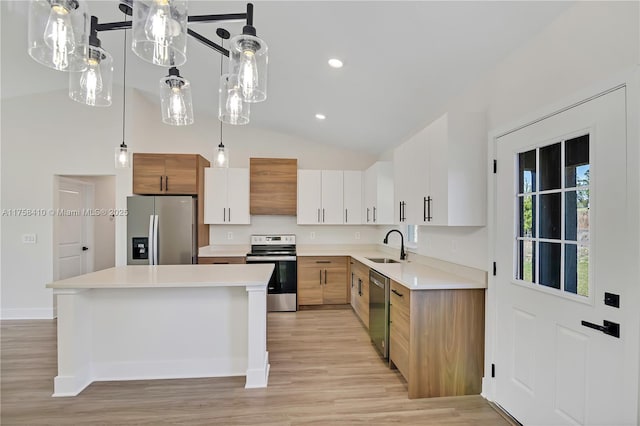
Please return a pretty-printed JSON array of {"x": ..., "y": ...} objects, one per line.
[
  {"x": 85, "y": 248},
  {"x": 608, "y": 327}
]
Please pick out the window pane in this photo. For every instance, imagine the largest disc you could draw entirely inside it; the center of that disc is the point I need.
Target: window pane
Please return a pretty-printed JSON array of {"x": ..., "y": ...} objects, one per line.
[
  {"x": 550, "y": 264},
  {"x": 527, "y": 259},
  {"x": 577, "y": 162},
  {"x": 527, "y": 208},
  {"x": 550, "y": 167},
  {"x": 550, "y": 215},
  {"x": 577, "y": 216},
  {"x": 527, "y": 173},
  {"x": 576, "y": 269}
]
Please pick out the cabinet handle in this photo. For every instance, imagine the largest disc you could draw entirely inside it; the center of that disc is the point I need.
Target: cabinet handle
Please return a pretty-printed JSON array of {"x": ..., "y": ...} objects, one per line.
[
  {"x": 322, "y": 215},
  {"x": 346, "y": 216},
  {"x": 325, "y": 277},
  {"x": 396, "y": 293},
  {"x": 320, "y": 276},
  {"x": 323, "y": 261},
  {"x": 160, "y": 183},
  {"x": 429, "y": 199},
  {"x": 367, "y": 214},
  {"x": 166, "y": 183},
  {"x": 424, "y": 210},
  {"x": 229, "y": 214},
  {"x": 374, "y": 214},
  {"x": 224, "y": 214},
  {"x": 318, "y": 215},
  {"x": 359, "y": 287}
]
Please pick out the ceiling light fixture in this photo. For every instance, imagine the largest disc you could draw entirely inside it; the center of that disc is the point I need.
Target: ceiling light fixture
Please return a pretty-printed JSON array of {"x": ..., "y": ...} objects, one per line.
[
  {"x": 321, "y": 116},
  {"x": 222, "y": 155},
  {"x": 58, "y": 39},
  {"x": 122, "y": 153},
  {"x": 335, "y": 63}
]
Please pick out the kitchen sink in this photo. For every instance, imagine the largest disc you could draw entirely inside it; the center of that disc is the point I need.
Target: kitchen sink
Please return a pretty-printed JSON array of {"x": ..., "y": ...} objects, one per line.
[{"x": 382, "y": 260}]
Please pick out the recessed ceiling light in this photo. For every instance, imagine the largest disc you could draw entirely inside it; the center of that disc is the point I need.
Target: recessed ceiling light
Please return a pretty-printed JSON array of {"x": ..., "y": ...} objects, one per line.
[
  {"x": 335, "y": 63},
  {"x": 320, "y": 116}
]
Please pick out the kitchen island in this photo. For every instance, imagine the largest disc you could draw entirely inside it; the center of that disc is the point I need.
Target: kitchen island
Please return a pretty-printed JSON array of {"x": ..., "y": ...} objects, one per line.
[{"x": 159, "y": 322}]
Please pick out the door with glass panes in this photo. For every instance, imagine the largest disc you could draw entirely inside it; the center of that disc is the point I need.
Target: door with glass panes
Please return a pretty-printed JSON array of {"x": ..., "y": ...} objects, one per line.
[{"x": 562, "y": 243}]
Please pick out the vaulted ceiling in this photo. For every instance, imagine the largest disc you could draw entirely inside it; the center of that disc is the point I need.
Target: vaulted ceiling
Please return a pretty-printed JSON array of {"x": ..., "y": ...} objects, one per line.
[{"x": 402, "y": 61}]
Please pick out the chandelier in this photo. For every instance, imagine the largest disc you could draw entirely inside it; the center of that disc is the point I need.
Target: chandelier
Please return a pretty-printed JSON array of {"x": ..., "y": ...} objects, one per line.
[{"x": 64, "y": 36}]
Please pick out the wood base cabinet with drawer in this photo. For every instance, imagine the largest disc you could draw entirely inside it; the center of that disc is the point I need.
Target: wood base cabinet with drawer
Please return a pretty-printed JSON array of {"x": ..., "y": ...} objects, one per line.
[
  {"x": 436, "y": 340},
  {"x": 360, "y": 291},
  {"x": 322, "y": 280}
]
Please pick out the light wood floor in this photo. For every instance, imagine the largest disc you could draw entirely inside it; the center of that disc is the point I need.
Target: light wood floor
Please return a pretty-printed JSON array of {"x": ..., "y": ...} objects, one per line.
[{"x": 324, "y": 371}]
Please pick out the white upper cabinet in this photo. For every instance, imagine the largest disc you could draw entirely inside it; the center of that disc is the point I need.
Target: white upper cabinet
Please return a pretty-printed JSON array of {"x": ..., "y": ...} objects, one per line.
[
  {"x": 352, "y": 197},
  {"x": 378, "y": 194},
  {"x": 320, "y": 197},
  {"x": 226, "y": 198},
  {"x": 440, "y": 173}
]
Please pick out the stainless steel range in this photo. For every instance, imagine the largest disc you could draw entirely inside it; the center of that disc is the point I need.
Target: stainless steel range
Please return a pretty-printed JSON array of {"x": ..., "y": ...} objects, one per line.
[{"x": 281, "y": 251}]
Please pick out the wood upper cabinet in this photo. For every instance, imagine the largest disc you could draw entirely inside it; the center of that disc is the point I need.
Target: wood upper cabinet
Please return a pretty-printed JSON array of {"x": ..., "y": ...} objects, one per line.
[
  {"x": 273, "y": 186},
  {"x": 322, "y": 280},
  {"x": 162, "y": 174},
  {"x": 436, "y": 340}
]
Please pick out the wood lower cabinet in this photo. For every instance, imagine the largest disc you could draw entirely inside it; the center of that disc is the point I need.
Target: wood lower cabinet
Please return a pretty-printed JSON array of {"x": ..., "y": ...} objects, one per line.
[
  {"x": 436, "y": 340},
  {"x": 162, "y": 174},
  {"x": 322, "y": 280},
  {"x": 360, "y": 291},
  {"x": 218, "y": 260}
]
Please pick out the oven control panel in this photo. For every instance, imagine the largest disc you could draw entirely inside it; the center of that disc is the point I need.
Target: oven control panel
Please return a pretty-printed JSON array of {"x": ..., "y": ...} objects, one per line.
[{"x": 273, "y": 239}]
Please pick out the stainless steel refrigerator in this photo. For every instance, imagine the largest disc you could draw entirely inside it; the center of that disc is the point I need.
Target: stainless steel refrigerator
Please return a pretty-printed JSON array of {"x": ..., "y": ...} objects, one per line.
[{"x": 161, "y": 230}]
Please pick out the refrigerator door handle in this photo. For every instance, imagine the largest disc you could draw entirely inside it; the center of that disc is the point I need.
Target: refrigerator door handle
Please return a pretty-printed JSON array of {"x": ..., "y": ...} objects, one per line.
[
  {"x": 155, "y": 239},
  {"x": 150, "y": 240}
]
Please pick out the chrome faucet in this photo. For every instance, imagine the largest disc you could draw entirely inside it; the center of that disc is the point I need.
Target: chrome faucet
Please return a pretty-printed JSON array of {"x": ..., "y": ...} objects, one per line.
[{"x": 403, "y": 255}]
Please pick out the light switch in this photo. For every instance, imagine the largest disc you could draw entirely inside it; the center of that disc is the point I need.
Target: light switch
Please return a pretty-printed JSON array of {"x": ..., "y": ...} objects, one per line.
[{"x": 29, "y": 238}]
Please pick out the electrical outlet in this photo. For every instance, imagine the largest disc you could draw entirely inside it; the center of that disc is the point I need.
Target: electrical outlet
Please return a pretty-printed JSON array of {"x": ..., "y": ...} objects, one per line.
[
  {"x": 29, "y": 238},
  {"x": 312, "y": 236},
  {"x": 229, "y": 235},
  {"x": 357, "y": 235}
]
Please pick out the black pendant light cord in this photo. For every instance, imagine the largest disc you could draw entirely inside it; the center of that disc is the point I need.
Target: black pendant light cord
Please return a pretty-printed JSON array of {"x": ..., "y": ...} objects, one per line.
[{"x": 124, "y": 85}]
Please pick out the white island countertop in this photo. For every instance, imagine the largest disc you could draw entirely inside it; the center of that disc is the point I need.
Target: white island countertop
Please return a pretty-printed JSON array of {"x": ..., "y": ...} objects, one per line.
[{"x": 145, "y": 276}]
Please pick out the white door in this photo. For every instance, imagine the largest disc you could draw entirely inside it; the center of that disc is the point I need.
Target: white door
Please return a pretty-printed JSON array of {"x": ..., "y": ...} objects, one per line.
[
  {"x": 238, "y": 196},
  {"x": 332, "y": 197},
  {"x": 309, "y": 197},
  {"x": 215, "y": 195},
  {"x": 71, "y": 235},
  {"x": 352, "y": 197},
  {"x": 562, "y": 241}
]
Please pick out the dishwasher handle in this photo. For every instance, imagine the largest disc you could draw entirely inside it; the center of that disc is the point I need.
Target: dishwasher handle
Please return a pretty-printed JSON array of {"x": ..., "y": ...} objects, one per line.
[{"x": 376, "y": 282}]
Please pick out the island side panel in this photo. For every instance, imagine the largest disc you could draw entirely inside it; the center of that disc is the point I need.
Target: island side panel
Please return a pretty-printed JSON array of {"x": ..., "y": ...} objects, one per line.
[
  {"x": 74, "y": 342},
  {"x": 258, "y": 357},
  {"x": 161, "y": 333}
]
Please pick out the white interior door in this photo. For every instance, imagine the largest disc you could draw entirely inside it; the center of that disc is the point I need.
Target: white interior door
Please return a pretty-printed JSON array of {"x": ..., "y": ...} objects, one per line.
[
  {"x": 71, "y": 235},
  {"x": 562, "y": 241}
]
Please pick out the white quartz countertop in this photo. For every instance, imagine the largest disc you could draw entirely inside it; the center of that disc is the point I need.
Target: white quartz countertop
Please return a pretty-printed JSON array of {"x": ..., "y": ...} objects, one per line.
[
  {"x": 413, "y": 275},
  {"x": 145, "y": 276}
]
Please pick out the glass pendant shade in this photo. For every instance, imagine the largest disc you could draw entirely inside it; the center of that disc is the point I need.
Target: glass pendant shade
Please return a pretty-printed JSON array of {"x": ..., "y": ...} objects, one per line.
[
  {"x": 175, "y": 99},
  {"x": 231, "y": 106},
  {"x": 122, "y": 157},
  {"x": 58, "y": 33},
  {"x": 222, "y": 157},
  {"x": 160, "y": 31},
  {"x": 93, "y": 85},
  {"x": 248, "y": 58}
]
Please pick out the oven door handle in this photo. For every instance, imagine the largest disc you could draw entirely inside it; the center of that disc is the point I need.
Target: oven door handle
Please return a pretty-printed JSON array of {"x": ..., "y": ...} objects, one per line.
[{"x": 271, "y": 258}]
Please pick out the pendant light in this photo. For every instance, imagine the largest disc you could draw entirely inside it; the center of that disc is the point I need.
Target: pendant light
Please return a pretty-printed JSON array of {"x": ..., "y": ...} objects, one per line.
[
  {"x": 248, "y": 59},
  {"x": 175, "y": 99},
  {"x": 222, "y": 155},
  {"x": 122, "y": 158},
  {"x": 160, "y": 31},
  {"x": 58, "y": 33},
  {"x": 93, "y": 85}
]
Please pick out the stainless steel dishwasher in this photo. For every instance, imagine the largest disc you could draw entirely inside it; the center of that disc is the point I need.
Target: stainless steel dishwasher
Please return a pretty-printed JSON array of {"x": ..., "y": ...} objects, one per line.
[{"x": 379, "y": 312}]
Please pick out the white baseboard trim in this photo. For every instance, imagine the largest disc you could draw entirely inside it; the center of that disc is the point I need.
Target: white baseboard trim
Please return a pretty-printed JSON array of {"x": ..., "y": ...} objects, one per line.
[
  {"x": 26, "y": 313},
  {"x": 258, "y": 377}
]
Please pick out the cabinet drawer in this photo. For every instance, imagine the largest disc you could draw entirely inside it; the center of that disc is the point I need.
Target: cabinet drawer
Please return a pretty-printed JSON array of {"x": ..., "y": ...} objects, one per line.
[
  {"x": 399, "y": 323},
  {"x": 400, "y": 298},
  {"x": 220, "y": 260},
  {"x": 399, "y": 355}
]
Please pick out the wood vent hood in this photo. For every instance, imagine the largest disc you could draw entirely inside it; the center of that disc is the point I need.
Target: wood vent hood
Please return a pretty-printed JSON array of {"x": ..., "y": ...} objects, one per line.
[{"x": 274, "y": 186}]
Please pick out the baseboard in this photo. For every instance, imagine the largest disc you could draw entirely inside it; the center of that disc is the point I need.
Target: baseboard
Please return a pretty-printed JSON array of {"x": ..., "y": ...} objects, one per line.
[
  {"x": 169, "y": 369},
  {"x": 26, "y": 313}
]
